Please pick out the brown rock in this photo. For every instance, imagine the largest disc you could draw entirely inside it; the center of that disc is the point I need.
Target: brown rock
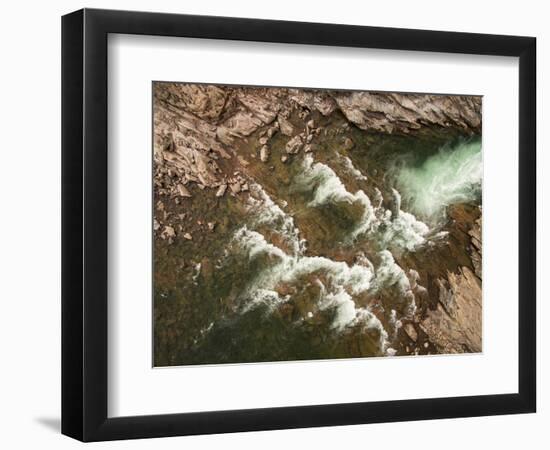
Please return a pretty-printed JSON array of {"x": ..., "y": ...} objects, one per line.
[
  {"x": 294, "y": 145},
  {"x": 235, "y": 187},
  {"x": 403, "y": 113},
  {"x": 204, "y": 101},
  {"x": 409, "y": 329},
  {"x": 168, "y": 232},
  {"x": 183, "y": 192},
  {"x": 221, "y": 190},
  {"x": 285, "y": 126},
  {"x": 348, "y": 143},
  {"x": 264, "y": 153},
  {"x": 456, "y": 322}
]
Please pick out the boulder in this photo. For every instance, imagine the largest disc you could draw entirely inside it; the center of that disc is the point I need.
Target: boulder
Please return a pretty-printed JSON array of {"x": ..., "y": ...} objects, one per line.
[
  {"x": 264, "y": 153},
  {"x": 294, "y": 145},
  {"x": 182, "y": 191}
]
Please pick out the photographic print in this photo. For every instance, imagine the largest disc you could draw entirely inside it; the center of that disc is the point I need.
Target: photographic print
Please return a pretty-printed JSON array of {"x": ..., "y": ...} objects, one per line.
[{"x": 303, "y": 224}]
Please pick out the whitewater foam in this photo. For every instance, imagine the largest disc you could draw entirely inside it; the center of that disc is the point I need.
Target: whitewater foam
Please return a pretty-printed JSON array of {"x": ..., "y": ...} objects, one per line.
[
  {"x": 347, "y": 163},
  {"x": 453, "y": 175},
  {"x": 267, "y": 212},
  {"x": 341, "y": 281},
  {"x": 394, "y": 228}
]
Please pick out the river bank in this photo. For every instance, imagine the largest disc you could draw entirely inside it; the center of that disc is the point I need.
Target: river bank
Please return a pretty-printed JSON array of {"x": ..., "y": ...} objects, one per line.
[{"x": 297, "y": 225}]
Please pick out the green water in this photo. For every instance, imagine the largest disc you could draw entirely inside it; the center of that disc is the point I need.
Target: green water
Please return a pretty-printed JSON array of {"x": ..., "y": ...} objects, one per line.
[{"x": 452, "y": 175}]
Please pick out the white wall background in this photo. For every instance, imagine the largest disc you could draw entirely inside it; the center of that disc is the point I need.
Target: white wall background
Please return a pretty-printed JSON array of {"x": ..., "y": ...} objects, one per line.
[{"x": 30, "y": 226}]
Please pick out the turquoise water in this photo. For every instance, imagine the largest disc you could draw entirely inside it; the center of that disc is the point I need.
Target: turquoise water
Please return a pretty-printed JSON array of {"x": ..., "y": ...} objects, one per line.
[{"x": 452, "y": 175}]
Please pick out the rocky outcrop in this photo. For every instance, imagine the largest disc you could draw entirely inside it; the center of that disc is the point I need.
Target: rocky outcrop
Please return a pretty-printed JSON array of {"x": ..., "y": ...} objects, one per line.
[
  {"x": 198, "y": 129},
  {"x": 455, "y": 325},
  {"x": 405, "y": 113},
  {"x": 214, "y": 144}
]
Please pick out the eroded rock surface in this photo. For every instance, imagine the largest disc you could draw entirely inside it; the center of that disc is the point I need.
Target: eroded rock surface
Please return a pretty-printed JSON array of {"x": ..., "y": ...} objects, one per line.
[
  {"x": 196, "y": 126},
  {"x": 223, "y": 140}
]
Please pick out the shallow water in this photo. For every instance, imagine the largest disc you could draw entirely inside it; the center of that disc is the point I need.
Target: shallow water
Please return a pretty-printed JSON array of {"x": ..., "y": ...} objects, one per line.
[{"x": 307, "y": 265}]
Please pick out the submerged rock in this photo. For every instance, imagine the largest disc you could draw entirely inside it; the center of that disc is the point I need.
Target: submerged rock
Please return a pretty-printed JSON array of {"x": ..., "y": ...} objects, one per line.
[{"x": 348, "y": 144}]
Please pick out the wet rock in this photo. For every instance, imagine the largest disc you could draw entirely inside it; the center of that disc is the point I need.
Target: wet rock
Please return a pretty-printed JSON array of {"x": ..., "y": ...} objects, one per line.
[
  {"x": 272, "y": 131},
  {"x": 413, "y": 277},
  {"x": 235, "y": 187},
  {"x": 476, "y": 250},
  {"x": 221, "y": 190},
  {"x": 260, "y": 102},
  {"x": 303, "y": 113},
  {"x": 182, "y": 191},
  {"x": 243, "y": 161},
  {"x": 285, "y": 289},
  {"x": 285, "y": 126},
  {"x": 168, "y": 232},
  {"x": 348, "y": 144},
  {"x": 294, "y": 145},
  {"x": 167, "y": 143},
  {"x": 264, "y": 153},
  {"x": 196, "y": 125},
  {"x": 409, "y": 329},
  {"x": 242, "y": 124}
]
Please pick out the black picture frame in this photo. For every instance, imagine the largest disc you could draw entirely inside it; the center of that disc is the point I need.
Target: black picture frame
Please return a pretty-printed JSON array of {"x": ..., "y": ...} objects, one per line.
[{"x": 84, "y": 224}]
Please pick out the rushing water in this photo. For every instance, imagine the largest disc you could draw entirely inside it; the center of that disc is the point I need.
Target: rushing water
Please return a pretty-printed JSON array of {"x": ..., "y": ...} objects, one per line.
[
  {"x": 289, "y": 302},
  {"x": 452, "y": 175}
]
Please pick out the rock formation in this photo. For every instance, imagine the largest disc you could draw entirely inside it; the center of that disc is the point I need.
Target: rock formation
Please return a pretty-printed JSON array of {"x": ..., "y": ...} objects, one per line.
[
  {"x": 198, "y": 126},
  {"x": 210, "y": 144}
]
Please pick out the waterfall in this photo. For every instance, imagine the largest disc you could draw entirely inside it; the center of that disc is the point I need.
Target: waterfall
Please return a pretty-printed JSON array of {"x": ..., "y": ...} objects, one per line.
[
  {"x": 341, "y": 287},
  {"x": 340, "y": 282},
  {"x": 452, "y": 175},
  {"x": 392, "y": 228}
]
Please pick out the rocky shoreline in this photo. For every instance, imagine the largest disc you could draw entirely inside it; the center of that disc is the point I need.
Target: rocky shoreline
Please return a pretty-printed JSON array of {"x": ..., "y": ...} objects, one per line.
[
  {"x": 196, "y": 127},
  {"x": 213, "y": 143}
]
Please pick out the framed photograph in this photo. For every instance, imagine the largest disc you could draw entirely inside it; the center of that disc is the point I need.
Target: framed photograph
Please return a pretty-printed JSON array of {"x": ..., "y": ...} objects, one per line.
[{"x": 274, "y": 225}]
